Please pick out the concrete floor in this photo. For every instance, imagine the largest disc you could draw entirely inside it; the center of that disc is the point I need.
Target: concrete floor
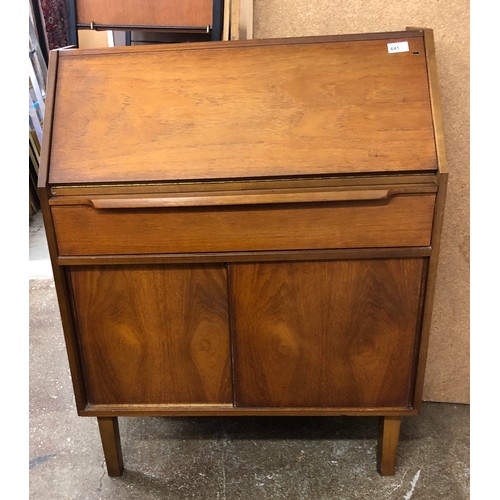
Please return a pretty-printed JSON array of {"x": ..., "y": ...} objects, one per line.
[{"x": 222, "y": 458}]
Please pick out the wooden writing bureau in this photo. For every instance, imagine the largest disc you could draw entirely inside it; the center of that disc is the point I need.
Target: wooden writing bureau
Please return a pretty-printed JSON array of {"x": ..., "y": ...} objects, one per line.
[{"x": 246, "y": 228}]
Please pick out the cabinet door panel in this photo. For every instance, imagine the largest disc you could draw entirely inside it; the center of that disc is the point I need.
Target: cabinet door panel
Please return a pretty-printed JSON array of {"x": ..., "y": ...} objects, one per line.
[
  {"x": 326, "y": 334},
  {"x": 153, "y": 334}
]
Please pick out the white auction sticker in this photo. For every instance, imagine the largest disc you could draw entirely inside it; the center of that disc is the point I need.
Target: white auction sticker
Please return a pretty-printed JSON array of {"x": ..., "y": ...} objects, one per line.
[{"x": 398, "y": 47}]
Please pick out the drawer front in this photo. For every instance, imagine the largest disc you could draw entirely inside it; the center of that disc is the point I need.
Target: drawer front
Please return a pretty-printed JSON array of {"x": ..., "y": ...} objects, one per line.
[{"x": 399, "y": 221}]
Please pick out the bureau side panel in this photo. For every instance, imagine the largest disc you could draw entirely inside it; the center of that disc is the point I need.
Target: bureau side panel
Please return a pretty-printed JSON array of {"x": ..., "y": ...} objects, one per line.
[
  {"x": 151, "y": 334},
  {"x": 326, "y": 334}
]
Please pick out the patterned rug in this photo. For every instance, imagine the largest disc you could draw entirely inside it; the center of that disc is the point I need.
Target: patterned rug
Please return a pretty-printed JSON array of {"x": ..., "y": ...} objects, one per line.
[{"x": 56, "y": 22}]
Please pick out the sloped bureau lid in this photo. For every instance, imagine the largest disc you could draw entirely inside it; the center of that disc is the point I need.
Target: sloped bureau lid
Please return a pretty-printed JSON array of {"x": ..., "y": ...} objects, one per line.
[{"x": 222, "y": 110}]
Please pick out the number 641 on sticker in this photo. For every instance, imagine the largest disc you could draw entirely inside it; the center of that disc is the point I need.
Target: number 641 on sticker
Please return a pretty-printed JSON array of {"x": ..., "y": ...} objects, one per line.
[{"x": 398, "y": 47}]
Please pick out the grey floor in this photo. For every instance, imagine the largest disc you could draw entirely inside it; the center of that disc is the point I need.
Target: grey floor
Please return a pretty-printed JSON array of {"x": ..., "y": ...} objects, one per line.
[{"x": 222, "y": 458}]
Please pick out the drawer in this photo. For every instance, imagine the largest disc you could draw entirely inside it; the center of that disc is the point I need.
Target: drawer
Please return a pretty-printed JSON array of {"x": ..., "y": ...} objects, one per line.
[{"x": 126, "y": 226}]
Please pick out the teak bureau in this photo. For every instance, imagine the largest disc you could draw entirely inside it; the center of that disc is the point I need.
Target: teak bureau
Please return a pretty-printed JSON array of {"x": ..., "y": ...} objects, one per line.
[{"x": 246, "y": 228}]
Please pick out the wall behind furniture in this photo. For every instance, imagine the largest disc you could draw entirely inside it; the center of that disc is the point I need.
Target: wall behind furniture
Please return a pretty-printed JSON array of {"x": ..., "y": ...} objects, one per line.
[{"x": 447, "y": 378}]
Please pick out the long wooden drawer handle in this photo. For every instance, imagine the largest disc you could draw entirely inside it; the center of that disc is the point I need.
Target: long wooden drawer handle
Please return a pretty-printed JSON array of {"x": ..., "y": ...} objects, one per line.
[{"x": 221, "y": 199}]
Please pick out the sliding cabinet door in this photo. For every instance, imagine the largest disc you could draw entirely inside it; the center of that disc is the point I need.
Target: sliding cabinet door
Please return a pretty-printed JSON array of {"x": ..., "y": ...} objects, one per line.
[
  {"x": 153, "y": 334},
  {"x": 326, "y": 333}
]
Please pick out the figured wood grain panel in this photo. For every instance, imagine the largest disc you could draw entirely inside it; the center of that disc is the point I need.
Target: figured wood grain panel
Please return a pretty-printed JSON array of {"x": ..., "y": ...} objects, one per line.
[
  {"x": 398, "y": 222},
  {"x": 145, "y": 12},
  {"x": 232, "y": 111},
  {"x": 325, "y": 334},
  {"x": 153, "y": 334}
]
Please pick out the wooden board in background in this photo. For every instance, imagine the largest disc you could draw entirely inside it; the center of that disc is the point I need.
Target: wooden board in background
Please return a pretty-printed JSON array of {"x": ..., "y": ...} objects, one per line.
[{"x": 145, "y": 13}]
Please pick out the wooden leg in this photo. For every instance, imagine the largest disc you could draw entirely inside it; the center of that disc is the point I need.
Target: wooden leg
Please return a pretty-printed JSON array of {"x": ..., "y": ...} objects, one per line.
[
  {"x": 388, "y": 437},
  {"x": 110, "y": 438}
]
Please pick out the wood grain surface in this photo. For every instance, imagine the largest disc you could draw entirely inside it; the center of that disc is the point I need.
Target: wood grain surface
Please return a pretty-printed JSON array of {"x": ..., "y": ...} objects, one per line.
[
  {"x": 152, "y": 334},
  {"x": 232, "y": 111},
  {"x": 145, "y": 12},
  {"x": 397, "y": 222},
  {"x": 325, "y": 333}
]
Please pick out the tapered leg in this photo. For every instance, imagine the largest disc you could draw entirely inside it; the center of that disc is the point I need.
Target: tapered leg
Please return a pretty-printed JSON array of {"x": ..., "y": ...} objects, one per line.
[
  {"x": 388, "y": 438},
  {"x": 110, "y": 437}
]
